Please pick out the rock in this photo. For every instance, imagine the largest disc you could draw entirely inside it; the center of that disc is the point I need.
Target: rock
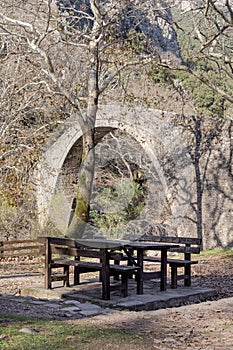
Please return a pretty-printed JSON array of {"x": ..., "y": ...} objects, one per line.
[{"x": 29, "y": 331}]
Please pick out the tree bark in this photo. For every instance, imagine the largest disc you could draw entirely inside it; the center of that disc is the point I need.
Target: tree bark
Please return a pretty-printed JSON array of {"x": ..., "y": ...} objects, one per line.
[
  {"x": 86, "y": 173},
  {"x": 199, "y": 184}
]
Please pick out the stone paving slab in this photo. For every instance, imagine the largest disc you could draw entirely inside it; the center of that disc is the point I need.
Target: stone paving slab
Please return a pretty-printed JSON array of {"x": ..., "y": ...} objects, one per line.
[
  {"x": 62, "y": 309},
  {"x": 153, "y": 299}
]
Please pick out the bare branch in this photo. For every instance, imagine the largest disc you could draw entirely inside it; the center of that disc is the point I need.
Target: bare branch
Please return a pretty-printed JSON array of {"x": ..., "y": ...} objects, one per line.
[
  {"x": 214, "y": 38},
  {"x": 200, "y": 77},
  {"x": 212, "y": 3},
  {"x": 123, "y": 67},
  {"x": 17, "y": 22}
]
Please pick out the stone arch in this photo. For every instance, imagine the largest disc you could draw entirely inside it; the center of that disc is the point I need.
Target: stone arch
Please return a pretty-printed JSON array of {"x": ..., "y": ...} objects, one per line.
[{"x": 151, "y": 128}]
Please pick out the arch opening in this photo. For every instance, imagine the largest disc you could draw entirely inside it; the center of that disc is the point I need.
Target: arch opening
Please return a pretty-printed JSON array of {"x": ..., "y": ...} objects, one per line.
[{"x": 144, "y": 141}]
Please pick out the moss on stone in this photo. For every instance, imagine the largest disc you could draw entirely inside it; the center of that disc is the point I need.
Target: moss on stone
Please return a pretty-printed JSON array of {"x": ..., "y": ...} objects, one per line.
[{"x": 82, "y": 209}]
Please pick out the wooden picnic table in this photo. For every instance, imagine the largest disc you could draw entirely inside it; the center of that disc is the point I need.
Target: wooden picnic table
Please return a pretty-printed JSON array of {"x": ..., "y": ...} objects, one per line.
[
  {"x": 67, "y": 252},
  {"x": 129, "y": 247}
]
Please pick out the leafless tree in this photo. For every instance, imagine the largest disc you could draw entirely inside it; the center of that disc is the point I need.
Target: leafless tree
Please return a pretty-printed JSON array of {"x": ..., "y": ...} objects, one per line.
[
  {"x": 72, "y": 51},
  {"x": 206, "y": 29}
]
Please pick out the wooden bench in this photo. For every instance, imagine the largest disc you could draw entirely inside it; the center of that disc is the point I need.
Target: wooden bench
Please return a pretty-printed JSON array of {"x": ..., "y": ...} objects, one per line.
[
  {"x": 187, "y": 247},
  {"x": 64, "y": 253}
]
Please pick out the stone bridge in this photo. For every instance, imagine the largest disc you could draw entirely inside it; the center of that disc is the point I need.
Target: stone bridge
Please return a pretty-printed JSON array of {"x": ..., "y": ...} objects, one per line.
[{"x": 155, "y": 140}]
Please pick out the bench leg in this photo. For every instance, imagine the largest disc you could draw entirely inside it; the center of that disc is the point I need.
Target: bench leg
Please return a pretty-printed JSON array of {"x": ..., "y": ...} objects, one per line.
[
  {"x": 187, "y": 272},
  {"x": 48, "y": 283},
  {"x": 76, "y": 276},
  {"x": 173, "y": 276},
  {"x": 130, "y": 263},
  {"x": 116, "y": 276},
  {"x": 66, "y": 282},
  {"x": 124, "y": 282}
]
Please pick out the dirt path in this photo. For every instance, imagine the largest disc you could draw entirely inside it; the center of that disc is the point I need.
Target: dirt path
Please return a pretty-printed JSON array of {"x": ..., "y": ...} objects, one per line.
[{"x": 205, "y": 326}]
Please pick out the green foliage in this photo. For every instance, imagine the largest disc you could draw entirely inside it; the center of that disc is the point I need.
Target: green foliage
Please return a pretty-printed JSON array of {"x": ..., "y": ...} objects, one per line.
[
  {"x": 5, "y": 200},
  {"x": 16, "y": 221},
  {"x": 136, "y": 41},
  {"x": 206, "y": 101},
  {"x": 188, "y": 42},
  {"x": 8, "y": 215},
  {"x": 118, "y": 205},
  {"x": 159, "y": 75}
]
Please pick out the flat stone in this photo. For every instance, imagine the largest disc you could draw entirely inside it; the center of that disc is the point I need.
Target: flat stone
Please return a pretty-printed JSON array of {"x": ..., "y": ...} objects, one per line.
[
  {"x": 52, "y": 305},
  {"x": 71, "y": 309},
  {"x": 38, "y": 302},
  {"x": 90, "y": 307},
  {"x": 72, "y": 302},
  {"x": 89, "y": 313},
  {"x": 129, "y": 303},
  {"x": 21, "y": 299}
]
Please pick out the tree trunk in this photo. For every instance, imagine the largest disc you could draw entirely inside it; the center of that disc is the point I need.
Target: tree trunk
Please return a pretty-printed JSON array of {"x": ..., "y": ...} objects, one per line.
[
  {"x": 199, "y": 184},
  {"x": 86, "y": 173},
  {"x": 84, "y": 188}
]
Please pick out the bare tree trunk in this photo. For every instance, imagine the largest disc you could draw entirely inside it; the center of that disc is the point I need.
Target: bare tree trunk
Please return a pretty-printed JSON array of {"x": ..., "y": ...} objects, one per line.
[
  {"x": 199, "y": 182},
  {"x": 84, "y": 187},
  {"x": 86, "y": 173}
]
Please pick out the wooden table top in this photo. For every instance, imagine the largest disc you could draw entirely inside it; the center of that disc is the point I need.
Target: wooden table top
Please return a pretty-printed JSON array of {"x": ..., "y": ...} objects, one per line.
[{"x": 103, "y": 243}]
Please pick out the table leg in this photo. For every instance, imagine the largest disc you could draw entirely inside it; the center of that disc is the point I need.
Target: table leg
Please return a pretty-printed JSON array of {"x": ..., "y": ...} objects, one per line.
[
  {"x": 105, "y": 273},
  {"x": 48, "y": 269},
  {"x": 163, "y": 281},
  {"x": 140, "y": 271}
]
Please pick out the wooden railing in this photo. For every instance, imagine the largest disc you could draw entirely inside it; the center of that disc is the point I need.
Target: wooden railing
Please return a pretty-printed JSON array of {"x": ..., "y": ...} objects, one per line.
[{"x": 19, "y": 248}]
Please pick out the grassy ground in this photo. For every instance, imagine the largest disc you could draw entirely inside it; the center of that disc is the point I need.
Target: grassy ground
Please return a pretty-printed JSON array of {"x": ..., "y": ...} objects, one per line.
[{"x": 51, "y": 335}]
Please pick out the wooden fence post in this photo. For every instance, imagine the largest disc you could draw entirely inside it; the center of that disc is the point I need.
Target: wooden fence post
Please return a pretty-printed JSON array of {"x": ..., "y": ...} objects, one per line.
[{"x": 1, "y": 250}]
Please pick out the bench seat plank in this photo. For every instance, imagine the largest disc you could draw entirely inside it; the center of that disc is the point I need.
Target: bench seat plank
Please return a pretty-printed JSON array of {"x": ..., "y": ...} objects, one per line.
[
  {"x": 177, "y": 262},
  {"x": 169, "y": 261},
  {"x": 94, "y": 265}
]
